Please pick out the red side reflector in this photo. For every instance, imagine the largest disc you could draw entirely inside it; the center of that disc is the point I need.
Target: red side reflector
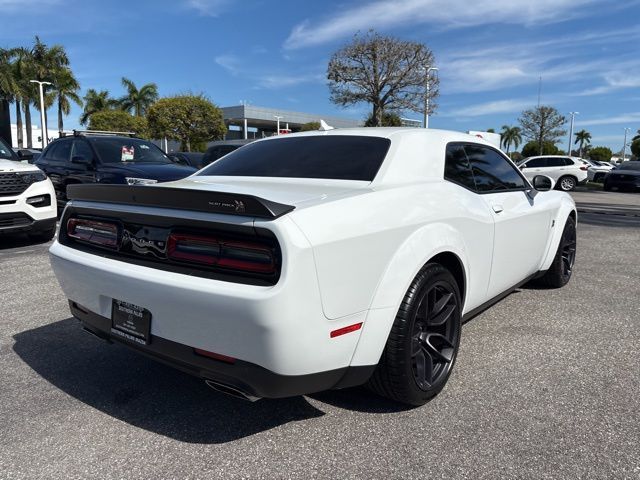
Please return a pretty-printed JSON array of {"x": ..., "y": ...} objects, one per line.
[
  {"x": 343, "y": 330},
  {"x": 215, "y": 356}
]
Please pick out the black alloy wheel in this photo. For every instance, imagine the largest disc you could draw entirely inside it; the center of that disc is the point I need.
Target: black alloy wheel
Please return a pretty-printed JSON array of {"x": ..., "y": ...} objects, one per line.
[
  {"x": 561, "y": 268},
  {"x": 435, "y": 335},
  {"x": 423, "y": 344},
  {"x": 568, "y": 255}
]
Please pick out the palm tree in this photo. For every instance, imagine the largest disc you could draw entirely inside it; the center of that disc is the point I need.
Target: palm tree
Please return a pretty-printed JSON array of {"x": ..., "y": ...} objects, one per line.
[
  {"x": 138, "y": 100},
  {"x": 95, "y": 101},
  {"x": 510, "y": 136},
  {"x": 583, "y": 137},
  {"x": 7, "y": 82},
  {"x": 65, "y": 91}
]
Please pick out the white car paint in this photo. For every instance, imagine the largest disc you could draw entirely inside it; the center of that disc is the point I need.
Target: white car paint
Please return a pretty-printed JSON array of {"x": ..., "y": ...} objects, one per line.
[
  {"x": 10, "y": 204},
  {"x": 598, "y": 170},
  {"x": 350, "y": 249},
  {"x": 576, "y": 169}
]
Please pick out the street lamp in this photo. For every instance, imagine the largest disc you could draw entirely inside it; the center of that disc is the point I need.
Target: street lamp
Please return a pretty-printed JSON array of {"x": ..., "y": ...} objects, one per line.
[
  {"x": 278, "y": 117},
  {"x": 624, "y": 145},
  {"x": 573, "y": 114},
  {"x": 43, "y": 126},
  {"x": 425, "y": 121}
]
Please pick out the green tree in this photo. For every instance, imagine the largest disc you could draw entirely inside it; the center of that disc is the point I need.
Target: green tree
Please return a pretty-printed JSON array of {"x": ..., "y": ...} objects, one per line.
[
  {"x": 65, "y": 91},
  {"x": 389, "y": 119},
  {"x": 138, "y": 101},
  {"x": 119, "y": 121},
  {"x": 542, "y": 124},
  {"x": 94, "y": 102},
  {"x": 600, "y": 154},
  {"x": 383, "y": 71},
  {"x": 635, "y": 148},
  {"x": 491, "y": 130},
  {"x": 510, "y": 136},
  {"x": 310, "y": 126},
  {"x": 7, "y": 82},
  {"x": 186, "y": 118},
  {"x": 583, "y": 138},
  {"x": 531, "y": 149}
]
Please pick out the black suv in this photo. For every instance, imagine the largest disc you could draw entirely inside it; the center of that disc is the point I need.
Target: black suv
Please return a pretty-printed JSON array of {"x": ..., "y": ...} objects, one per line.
[{"x": 93, "y": 158}]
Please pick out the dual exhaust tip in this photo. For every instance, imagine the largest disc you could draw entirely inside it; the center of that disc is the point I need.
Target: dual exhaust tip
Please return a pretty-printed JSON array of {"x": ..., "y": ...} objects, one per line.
[{"x": 230, "y": 390}]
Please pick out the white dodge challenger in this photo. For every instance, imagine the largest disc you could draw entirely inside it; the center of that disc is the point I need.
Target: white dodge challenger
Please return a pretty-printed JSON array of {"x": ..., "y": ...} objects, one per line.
[{"x": 314, "y": 261}]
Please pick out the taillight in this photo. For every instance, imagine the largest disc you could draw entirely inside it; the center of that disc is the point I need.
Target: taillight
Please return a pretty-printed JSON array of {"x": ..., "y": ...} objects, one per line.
[
  {"x": 91, "y": 231},
  {"x": 236, "y": 255},
  {"x": 584, "y": 167}
]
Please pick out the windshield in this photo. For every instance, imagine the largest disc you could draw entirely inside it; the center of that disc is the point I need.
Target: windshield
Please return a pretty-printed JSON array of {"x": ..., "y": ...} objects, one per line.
[
  {"x": 335, "y": 157},
  {"x": 127, "y": 150},
  {"x": 5, "y": 151},
  {"x": 629, "y": 166}
]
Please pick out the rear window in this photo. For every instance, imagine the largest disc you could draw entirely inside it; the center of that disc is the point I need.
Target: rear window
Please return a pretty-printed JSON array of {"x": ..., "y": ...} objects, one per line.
[{"x": 335, "y": 157}]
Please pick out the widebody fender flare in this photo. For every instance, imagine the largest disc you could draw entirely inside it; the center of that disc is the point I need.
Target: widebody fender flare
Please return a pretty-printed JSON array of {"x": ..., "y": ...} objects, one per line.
[
  {"x": 567, "y": 207},
  {"x": 413, "y": 254}
]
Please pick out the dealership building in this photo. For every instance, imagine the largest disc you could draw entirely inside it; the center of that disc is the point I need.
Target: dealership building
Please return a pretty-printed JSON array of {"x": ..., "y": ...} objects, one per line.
[{"x": 250, "y": 121}]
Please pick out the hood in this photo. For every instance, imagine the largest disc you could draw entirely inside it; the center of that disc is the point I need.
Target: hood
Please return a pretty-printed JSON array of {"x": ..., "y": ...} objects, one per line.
[
  {"x": 290, "y": 191},
  {"x": 15, "y": 166},
  {"x": 163, "y": 172}
]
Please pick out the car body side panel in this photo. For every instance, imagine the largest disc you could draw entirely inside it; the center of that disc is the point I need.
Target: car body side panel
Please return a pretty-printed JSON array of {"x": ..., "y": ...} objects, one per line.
[
  {"x": 361, "y": 240},
  {"x": 563, "y": 205}
]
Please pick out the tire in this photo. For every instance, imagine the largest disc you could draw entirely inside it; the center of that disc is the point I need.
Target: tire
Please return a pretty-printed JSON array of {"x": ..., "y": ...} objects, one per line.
[
  {"x": 561, "y": 268},
  {"x": 419, "y": 355},
  {"x": 598, "y": 177},
  {"x": 43, "y": 236},
  {"x": 606, "y": 187},
  {"x": 567, "y": 183}
]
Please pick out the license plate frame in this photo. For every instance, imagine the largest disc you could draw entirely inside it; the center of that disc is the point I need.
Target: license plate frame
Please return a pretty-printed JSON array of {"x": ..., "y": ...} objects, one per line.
[{"x": 130, "y": 322}]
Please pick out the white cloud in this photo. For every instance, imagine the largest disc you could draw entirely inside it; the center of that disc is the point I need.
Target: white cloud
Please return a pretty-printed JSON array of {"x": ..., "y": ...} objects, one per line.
[
  {"x": 229, "y": 62},
  {"x": 210, "y": 8},
  {"x": 386, "y": 14},
  {"x": 490, "y": 108},
  {"x": 283, "y": 81},
  {"x": 623, "y": 120}
]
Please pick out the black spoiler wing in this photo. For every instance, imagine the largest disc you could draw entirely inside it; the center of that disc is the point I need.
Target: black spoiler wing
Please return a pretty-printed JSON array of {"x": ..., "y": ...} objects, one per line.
[{"x": 180, "y": 198}]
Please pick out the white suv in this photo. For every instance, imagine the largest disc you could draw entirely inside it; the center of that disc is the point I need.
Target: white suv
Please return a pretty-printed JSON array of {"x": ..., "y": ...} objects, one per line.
[
  {"x": 27, "y": 198},
  {"x": 565, "y": 171}
]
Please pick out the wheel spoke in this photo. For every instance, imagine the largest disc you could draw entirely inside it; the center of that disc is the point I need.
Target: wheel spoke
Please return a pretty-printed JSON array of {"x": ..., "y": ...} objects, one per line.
[
  {"x": 442, "y": 317},
  {"x": 424, "y": 369},
  {"x": 438, "y": 346}
]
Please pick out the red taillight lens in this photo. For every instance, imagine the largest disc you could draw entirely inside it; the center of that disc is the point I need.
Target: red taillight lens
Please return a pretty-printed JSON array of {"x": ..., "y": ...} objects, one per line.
[
  {"x": 215, "y": 356},
  {"x": 584, "y": 167},
  {"x": 91, "y": 231},
  {"x": 246, "y": 256}
]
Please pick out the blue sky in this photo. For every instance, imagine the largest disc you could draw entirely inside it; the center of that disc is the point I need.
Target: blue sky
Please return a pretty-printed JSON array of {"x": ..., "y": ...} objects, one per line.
[{"x": 490, "y": 53}]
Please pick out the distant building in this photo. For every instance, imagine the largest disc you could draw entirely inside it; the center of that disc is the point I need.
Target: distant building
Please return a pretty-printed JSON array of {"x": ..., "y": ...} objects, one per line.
[
  {"x": 36, "y": 135},
  {"x": 250, "y": 121}
]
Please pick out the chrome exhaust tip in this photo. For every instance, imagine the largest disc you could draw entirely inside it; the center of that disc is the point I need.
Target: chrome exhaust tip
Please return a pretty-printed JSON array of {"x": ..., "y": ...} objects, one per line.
[{"x": 229, "y": 390}]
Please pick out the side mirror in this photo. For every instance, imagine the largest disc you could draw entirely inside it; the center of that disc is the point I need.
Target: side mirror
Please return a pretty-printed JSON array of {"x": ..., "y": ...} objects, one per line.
[
  {"x": 80, "y": 160},
  {"x": 542, "y": 183},
  {"x": 25, "y": 155}
]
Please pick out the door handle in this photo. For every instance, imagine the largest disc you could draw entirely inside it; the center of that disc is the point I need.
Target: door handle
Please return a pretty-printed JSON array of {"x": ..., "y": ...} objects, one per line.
[{"x": 497, "y": 208}]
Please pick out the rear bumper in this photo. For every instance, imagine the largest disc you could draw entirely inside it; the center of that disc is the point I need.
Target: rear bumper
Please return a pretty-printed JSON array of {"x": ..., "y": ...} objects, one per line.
[{"x": 247, "y": 377}]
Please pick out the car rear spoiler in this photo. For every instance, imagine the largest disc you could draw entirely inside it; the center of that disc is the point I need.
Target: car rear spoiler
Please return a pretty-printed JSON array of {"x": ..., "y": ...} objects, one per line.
[{"x": 180, "y": 198}]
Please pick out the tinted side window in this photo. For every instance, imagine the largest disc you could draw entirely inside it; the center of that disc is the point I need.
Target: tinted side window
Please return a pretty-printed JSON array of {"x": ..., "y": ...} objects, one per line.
[
  {"x": 537, "y": 163},
  {"x": 82, "y": 149},
  {"x": 457, "y": 168},
  {"x": 60, "y": 151},
  {"x": 491, "y": 171},
  {"x": 556, "y": 162}
]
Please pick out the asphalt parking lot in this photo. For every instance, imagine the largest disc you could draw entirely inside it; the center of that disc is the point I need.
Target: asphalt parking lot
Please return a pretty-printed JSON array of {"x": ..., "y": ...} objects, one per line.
[{"x": 547, "y": 385}]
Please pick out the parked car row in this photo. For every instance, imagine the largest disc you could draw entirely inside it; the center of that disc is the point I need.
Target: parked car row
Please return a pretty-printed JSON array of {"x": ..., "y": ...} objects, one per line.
[{"x": 565, "y": 171}]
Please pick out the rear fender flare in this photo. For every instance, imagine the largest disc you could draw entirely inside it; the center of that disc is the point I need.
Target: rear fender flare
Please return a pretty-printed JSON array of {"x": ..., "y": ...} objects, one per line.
[
  {"x": 566, "y": 208},
  {"x": 412, "y": 255}
]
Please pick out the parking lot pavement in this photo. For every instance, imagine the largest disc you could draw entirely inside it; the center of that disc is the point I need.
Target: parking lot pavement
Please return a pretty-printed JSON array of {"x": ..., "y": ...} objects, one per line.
[
  {"x": 546, "y": 386},
  {"x": 609, "y": 203}
]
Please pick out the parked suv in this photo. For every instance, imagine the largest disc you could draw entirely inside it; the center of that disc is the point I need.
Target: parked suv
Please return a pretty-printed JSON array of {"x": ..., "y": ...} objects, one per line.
[
  {"x": 566, "y": 172},
  {"x": 88, "y": 157},
  {"x": 27, "y": 199}
]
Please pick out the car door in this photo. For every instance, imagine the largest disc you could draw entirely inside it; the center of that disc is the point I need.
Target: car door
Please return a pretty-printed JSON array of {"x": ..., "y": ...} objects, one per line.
[
  {"x": 533, "y": 167},
  {"x": 55, "y": 161},
  {"x": 82, "y": 164},
  {"x": 557, "y": 167},
  {"x": 521, "y": 224}
]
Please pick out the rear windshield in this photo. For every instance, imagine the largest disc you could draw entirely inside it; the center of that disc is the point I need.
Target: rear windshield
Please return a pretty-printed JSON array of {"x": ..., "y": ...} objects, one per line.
[
  {"x": 127, "y": 150},
  {"x": 335, "y": 157}
]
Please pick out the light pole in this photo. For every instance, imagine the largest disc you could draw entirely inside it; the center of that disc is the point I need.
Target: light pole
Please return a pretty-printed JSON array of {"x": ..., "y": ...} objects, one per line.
[
  {"x": 573, "y": 114},
  {"x": 425, "y": 121},
  {"x": 624, "y": 145},
  {"x": 278, "y": 117},
  {"x": 43, "y": 126}
]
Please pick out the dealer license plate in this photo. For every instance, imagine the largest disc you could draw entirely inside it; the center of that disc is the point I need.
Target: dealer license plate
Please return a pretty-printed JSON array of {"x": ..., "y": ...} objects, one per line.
[{"x": 130, "y": 322}]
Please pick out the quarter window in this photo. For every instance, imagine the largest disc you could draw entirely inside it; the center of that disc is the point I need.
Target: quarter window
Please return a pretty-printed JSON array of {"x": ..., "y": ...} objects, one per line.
[
  {"x": 491, "y": 171},
  {"x": 60, "y": 151},
  {"x": 457, "y": 168},
  {"x": 82, "y": 149}
]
